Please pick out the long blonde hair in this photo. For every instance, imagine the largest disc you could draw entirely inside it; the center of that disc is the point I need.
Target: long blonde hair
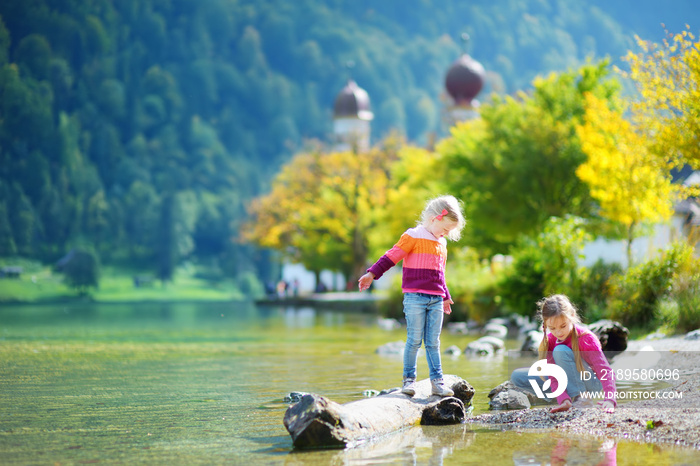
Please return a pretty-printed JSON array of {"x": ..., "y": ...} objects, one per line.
[
  {"x": 453, "y": 210},
  {"x": 555, "y": 306}
]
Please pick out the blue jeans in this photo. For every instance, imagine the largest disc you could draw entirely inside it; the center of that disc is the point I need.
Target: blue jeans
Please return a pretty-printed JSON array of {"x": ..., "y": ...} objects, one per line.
[
  {"x": 424, "y": 314},
  {"x": 564, "y": 358}
]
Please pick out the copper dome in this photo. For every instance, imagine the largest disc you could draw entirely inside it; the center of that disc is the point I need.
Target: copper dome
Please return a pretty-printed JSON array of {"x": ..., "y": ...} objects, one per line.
[
  {"x": 353, "y": 102},
  {"x": 464, "y": 80}
]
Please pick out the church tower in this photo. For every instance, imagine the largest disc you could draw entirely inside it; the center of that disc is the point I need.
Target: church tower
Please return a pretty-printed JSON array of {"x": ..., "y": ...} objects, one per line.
[
  {"x": 463, "y": 82},
  {"x": 351, "y": 119}
]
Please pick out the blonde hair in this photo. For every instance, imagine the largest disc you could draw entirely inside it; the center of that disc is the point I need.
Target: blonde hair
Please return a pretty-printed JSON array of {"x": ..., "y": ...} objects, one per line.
[
  {"x": 555, "y": 306},
  {"x": 453, "y": 208}
]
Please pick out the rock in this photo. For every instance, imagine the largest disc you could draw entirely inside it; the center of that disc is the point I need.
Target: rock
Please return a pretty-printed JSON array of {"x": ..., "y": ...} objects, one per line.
[
  {"x": 370, "y": 393},
  {"x": 386, "y": 391},
  {"x": 479, "y": 349},
  {"x": 495, "y": 330},
  {"x": 532, "y": 341},
  {"x": 499, "y": 321},
  {"x": 497, "y": 343},
  {"x": 694, "y": 335},
  {"x": 462, "y": 328},
  {"x": 393, "y": 348},
  {"x": 388, "y": 324},
  {"x": 510, "y": 399},
  {"x": 508, "y": 386},
  {"x": 655, "y": 336},
  {"x": 293, "y": 397},
  {"x": 612, "y": 336},
  {"x": 453, "y": 350},
  {"x": 457, "y": 328},
  {"x": 485, "y": 346}
]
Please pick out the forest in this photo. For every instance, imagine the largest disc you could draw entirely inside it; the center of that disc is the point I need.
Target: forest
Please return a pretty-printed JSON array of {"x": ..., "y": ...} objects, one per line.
[{"x": 140, "y": 130}]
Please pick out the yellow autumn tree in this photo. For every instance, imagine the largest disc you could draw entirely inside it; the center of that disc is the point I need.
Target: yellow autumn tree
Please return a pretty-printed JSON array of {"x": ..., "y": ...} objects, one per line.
[
  {"x": 321, "y": 208},
  {"x": 416, "y": 176},
  {"x": 667, "y": 78},
  {"x": 632, "y": 185}
]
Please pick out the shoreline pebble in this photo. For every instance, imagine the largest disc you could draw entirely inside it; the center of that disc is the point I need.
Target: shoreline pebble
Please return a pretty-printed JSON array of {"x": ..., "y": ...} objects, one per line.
[{"x": 659, "y": 420}]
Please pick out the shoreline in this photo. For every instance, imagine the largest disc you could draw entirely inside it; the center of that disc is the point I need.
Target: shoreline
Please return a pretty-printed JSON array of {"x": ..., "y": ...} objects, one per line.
[{"x": 659, "y": 420}]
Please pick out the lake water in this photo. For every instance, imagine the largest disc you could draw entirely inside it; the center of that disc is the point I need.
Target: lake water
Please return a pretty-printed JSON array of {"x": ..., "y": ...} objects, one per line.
[{"x": 204, "y": 384}]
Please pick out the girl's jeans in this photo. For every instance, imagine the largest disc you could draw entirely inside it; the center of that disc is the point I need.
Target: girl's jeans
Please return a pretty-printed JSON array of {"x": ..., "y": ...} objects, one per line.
[
  {"x": 564, "y": 358},
  {"x": 424, "y": 313}
]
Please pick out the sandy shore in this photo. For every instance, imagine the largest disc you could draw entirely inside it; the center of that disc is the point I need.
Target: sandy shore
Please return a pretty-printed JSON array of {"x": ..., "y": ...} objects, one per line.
[{"x": 670, "y": 420}]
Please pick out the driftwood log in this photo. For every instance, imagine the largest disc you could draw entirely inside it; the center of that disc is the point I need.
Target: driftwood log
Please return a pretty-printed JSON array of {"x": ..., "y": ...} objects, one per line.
[{"x": 317, "y": 422}]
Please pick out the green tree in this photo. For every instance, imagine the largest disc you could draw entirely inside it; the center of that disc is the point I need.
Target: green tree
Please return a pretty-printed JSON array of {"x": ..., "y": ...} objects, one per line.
[
  {"x": 7, "y": 242},
  {"x": 515, "y": 166},
  {"x": 167, "y": 241},
  {"x": 82, "y": 270}
]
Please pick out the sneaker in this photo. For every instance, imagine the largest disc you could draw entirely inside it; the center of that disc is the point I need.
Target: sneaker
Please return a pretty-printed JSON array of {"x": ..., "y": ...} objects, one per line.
[
  {"x": 440, "y": 389},
  {"x": 409, "y": 387}
]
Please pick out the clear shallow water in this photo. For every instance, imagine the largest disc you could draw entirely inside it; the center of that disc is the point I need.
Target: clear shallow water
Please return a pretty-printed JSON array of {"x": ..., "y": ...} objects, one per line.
[{"x": 204, "y": 384}]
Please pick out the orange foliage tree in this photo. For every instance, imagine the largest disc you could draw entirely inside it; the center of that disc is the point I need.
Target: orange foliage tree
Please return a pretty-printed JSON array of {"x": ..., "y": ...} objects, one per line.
[{"x": 321, "y": 208}]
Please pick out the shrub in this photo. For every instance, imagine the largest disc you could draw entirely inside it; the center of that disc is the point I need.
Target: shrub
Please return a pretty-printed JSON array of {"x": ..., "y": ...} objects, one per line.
[
  {"x": 636, "y": 294},
  {"x": 686, "y": 293},
  {"x": 595, "y": 290},
  {"x": 545, "y": 265}
]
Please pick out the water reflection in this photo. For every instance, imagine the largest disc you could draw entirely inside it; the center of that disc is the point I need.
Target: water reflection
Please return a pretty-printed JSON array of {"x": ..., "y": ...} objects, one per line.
[
  {"x": 466, "y": 444},
  {"x": 570, "y": 451},
  {"x": 299, "y": 317}
]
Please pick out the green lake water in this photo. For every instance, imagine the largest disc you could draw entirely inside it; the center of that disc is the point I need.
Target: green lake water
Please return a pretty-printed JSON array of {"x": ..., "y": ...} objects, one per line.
[{"x": 205, "y": 384}]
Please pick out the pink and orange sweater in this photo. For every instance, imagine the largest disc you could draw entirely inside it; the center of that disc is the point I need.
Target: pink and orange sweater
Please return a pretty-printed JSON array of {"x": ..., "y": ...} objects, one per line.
[{"x": 424, "y": 257}]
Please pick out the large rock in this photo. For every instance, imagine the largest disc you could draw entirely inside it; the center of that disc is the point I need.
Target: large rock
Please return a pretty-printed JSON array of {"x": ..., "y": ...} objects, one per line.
[
  {"x": 485, "y": 346},
  {"x": 510, "y": 399},
  {"x": 532, "y": 341},
  {"x": 612, "y": 335},
  {"x": 503, "y": 396}
]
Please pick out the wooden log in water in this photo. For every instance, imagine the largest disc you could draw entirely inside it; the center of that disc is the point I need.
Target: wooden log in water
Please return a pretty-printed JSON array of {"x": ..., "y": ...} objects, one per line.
[{"x": 317, "y": 422}]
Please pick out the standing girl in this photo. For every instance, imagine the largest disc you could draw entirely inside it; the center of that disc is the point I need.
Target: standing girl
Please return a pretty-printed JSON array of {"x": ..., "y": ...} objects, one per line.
[
  {"x": 426, "y": 297},
  {"x": 574, "y": 349}
]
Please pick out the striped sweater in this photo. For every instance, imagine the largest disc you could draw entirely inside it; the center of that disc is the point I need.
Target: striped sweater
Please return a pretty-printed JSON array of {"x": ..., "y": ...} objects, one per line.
[{"x": 424, "y": 258}]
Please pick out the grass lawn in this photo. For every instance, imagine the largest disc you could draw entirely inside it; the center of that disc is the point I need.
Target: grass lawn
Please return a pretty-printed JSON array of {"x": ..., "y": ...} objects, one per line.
[{"x": 40, "y": 284}]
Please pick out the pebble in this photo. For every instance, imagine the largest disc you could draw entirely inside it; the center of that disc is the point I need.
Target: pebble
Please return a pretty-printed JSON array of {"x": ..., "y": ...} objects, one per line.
[{"x": 670, "y": 421}]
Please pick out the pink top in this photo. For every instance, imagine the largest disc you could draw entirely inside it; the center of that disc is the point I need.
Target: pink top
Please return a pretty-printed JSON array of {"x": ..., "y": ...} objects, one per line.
[{"x": 592, "y": 353}]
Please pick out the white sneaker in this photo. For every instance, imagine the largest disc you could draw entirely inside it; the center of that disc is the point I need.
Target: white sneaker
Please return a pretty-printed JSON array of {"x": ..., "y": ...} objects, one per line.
[
  {"x": 409, "y": 387},
  {"x": 440, "y": 389}
]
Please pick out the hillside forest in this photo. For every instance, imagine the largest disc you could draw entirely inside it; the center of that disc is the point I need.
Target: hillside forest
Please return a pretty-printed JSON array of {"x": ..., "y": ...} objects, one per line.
[{"x": 142, "y": 130}]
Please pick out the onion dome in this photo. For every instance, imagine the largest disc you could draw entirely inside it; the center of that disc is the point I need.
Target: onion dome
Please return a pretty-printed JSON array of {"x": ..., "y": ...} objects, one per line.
[
  {"x": 352, "y": 102},
  {"x": 464, "y": 80}
]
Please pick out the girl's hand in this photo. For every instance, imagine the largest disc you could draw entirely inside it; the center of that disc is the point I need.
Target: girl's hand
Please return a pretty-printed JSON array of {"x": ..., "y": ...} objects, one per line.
[
  {"x": 447, "y": 306},
  {"x": 565, "y": 406},
  {"x": 607, "y": 406},
  {"x": 365, "y": 281}
]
